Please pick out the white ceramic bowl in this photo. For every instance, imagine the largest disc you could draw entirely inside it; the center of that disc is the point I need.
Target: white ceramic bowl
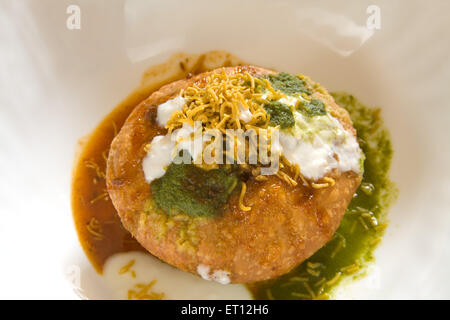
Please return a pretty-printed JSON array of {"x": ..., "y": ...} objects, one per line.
[{"x": 56, "y": 84}]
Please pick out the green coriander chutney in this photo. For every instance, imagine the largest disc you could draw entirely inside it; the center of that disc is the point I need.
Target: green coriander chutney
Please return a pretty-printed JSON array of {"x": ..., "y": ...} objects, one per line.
[
  {"x": 280, "y": 114},
  {"x": 287, "y": 83},
  {"x": 351, "y": 249},
  {"x": 194, "y": 191}
]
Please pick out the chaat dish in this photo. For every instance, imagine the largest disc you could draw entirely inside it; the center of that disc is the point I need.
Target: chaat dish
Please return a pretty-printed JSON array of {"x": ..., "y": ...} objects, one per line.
[{"x": 236, "y": 175}]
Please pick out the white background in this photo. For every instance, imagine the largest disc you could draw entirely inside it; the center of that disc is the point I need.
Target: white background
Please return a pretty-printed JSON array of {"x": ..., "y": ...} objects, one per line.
[{"x": 57, "y": 84}]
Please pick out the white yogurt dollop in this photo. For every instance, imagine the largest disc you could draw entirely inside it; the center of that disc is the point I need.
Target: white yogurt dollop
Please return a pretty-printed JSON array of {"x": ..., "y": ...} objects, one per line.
[
  {"x": 164, "y": 149},
  {"x": 320, "y": 144},
  {"x": 166, "y": 109},
  {"x": 158, "y": 157},
  {"x": 220, "y": 276}
]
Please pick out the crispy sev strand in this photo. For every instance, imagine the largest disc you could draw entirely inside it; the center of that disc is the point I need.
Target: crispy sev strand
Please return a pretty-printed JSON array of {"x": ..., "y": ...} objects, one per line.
[
  {"x": 241, "y": 198},
  {"x": 269, "y": 294},
  {"x": 127, "y": 267},
  {"x": 301, "y": 295},
  {"x": 298, "y": 279},
  {"x": 102, "y": 196},
  {"x": 313, "y": 272},
  {"x": 144, "y": 293},
  {"x": 334, "y": 279},
  {"x": 310, "y": 291},
  {"x": 92, "y": 165},
  {"x": 314, "y": 265},
  {"x": 95, "y": 229}
]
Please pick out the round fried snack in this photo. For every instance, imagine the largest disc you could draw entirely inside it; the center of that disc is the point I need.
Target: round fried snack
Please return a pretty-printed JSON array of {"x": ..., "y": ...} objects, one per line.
[{"x": 285, "y": 225}]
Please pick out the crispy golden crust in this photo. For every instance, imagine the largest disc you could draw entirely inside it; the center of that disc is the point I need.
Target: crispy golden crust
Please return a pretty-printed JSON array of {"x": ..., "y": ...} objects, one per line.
[{"x": 285, "y": 226}]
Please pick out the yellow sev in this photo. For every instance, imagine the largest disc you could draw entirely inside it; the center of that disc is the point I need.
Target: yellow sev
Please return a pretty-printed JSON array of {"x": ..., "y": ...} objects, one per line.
[
  {"x": 143, "y": 291},
  {"x": 218, "y": 105}
]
